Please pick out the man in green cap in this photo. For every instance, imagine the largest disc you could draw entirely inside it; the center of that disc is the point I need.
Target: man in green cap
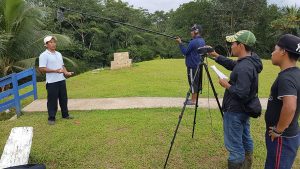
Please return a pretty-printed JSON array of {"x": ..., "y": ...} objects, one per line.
[{"x": 242, "y": 87}]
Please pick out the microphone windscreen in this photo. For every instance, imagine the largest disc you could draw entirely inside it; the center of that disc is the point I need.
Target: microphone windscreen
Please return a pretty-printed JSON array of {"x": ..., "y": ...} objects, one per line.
[{"x": 60, "y": 15}]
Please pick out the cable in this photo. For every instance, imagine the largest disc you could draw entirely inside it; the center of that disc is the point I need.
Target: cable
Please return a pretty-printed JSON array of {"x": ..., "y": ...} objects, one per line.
[
  {"x": 60, "y": 18},
  {"x": 209, "y": 111}
]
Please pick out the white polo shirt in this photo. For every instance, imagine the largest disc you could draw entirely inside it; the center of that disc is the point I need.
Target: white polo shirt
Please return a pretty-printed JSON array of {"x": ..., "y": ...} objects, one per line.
[{"x": 52, "y": 61}]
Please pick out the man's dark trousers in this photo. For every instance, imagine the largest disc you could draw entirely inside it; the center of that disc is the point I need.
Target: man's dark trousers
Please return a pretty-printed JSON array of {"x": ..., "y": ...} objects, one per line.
[{"x": 57, "y": 91}]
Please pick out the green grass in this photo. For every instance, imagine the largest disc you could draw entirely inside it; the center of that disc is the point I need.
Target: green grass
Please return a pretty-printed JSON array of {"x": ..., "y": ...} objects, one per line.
[
  {"x": 162, "y": 78},
  {"x": 24, "y": 102},
  {"x": 133, "y": 138},
  {"x": 136, "y": 138}
]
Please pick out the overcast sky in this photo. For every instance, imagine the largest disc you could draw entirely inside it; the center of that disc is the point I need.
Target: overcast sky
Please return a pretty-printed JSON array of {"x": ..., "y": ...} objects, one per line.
[{"x": 166, "y": 5}]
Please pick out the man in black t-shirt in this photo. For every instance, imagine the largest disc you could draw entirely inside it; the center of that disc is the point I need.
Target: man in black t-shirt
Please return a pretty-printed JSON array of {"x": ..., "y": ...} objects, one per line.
[{"x": 283, "y": 132}]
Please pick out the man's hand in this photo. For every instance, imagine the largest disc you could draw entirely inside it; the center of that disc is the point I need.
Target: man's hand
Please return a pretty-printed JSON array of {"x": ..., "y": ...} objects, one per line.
[
  {"x": 213, "y": 54},
  {"x": 47, "y": 70},
  {"x": 224, "y": 83},
  {"x": 273, "y": 133},
  {"x": 178, "y": 40},
  {"x": 59, "y": 70},
  {"x": 68, "y": 73}
]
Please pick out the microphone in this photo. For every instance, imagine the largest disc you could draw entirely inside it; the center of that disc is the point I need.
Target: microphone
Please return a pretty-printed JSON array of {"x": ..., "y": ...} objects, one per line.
[{"x": 60, "y": 14}]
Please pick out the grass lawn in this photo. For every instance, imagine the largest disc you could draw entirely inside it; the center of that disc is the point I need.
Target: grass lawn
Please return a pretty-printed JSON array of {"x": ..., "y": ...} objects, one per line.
[
  {"x": 131, "y": 139},
  {"x": 136, "y": 138},
  {"x": 163, "y": 78}
]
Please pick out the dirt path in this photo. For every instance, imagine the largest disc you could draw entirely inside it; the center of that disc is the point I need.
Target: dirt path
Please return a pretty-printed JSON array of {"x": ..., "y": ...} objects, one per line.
[{"x": 126, "y": 103}]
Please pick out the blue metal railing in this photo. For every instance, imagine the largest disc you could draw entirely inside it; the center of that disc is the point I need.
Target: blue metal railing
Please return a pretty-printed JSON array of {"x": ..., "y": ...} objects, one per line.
[{"x": 13, "y": 81}]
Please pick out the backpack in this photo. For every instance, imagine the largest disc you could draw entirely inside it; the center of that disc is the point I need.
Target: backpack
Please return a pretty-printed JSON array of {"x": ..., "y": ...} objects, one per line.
[{"x": 252, "y": 105}]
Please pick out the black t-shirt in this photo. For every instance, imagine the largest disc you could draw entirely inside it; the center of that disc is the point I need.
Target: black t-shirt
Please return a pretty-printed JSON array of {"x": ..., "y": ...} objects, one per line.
[{"x": 286, "y": 84}]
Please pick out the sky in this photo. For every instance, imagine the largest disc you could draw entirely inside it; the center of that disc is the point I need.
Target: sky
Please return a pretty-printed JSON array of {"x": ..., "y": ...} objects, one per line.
[{"x": 166, "y": 5}]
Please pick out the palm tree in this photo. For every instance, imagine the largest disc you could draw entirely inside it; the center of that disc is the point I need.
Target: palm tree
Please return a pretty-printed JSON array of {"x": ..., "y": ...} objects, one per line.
[
  {"x": 289, "y": 22},
  {"x": 22, "y": 30}
]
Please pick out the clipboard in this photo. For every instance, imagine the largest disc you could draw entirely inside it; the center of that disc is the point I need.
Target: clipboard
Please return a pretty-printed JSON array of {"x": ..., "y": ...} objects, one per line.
[{"x": 218, "y": 72}]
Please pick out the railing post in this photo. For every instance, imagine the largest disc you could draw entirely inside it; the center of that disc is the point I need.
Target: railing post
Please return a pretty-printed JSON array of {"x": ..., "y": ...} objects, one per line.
[
  {"x": 34, "y": 83},
  {"x": 16, "y": 94}
]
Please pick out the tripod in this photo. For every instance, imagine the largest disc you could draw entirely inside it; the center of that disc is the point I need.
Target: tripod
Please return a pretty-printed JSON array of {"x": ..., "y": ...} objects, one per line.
[{"x": 199, "y": 73}]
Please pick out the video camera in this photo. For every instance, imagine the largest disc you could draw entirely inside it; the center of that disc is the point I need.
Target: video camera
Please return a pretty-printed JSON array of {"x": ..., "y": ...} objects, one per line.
[{"x": 205, "y": 50}]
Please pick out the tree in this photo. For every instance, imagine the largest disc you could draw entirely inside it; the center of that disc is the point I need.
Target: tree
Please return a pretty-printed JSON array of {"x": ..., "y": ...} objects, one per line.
[
  {"x": 22, "y": 31},
  {"x": 95, "y": 39},
  {"x": 289, "y": 22}
]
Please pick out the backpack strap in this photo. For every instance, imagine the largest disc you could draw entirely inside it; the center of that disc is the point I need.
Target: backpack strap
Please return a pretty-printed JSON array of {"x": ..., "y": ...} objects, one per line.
[{"x": 253, "y": 91}]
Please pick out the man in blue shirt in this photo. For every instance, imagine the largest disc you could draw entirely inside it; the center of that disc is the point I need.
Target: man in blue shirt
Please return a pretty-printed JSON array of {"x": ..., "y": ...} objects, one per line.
[{"x": 192, "y": 60}]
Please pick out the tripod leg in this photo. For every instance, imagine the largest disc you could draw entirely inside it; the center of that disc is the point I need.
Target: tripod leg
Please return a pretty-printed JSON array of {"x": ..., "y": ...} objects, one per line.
[
  {"x": 199, "y": 68},
  {"x": 199, "y": 74},
  {"x": 179, "y": 121},
  {"x": 213, "y": 88}
]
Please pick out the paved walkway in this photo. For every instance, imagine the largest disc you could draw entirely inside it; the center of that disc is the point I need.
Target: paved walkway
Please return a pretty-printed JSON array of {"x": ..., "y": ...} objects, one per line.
[{"x": 126, "y": 103}]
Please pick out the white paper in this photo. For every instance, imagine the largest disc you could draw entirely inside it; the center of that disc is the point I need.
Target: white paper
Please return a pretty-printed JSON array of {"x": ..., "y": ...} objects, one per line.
[{"x": 218, "y": 72}]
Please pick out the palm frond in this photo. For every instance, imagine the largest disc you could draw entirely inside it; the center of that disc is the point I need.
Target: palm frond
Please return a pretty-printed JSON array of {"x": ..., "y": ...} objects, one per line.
[
  {"x": 62, "y": 40},
  {"x": 28, "y": 24},
  {"x": 6, "y": 70},
  {"x": 27, "y": 20},
  {"x": 74, "y": 64},
  {"x": 34, "y": 48},
  {"x": 18, "y": 68},
  {"x": 4, "y": 39},
  {"x": 11, "y": 11},
  {"x": 32, "y": 62},
  {"x": 27, "y": 63},
  {"x": 21, "y": 35}
]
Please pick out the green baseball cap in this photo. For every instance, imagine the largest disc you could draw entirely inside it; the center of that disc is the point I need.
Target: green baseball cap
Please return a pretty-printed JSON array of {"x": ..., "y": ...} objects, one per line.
[{"x": 244, "y": 36}]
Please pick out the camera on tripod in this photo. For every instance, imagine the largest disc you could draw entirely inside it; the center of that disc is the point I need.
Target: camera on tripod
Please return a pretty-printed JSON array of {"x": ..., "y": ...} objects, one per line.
[{"x": 204, "y": 50}]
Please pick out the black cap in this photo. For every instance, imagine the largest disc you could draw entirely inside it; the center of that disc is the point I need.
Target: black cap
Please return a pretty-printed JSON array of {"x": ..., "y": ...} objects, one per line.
[
  {"x": 197, "y": 28},
  {"x": 290, "y": 43}
]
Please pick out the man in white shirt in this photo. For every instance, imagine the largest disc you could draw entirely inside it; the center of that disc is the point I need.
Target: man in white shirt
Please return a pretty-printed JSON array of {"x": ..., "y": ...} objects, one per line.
[{"x": 51, "y": 63}]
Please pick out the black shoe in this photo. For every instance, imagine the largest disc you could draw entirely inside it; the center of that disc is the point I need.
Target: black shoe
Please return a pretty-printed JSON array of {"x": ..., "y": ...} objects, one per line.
[
  {"x": 190, "y": 102},
  {"x": 232, "y": 165},
  {"x": 51, "y": 122},
  {"x": 247, "y": 164},
  {"x": 68, "y": 118}
]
